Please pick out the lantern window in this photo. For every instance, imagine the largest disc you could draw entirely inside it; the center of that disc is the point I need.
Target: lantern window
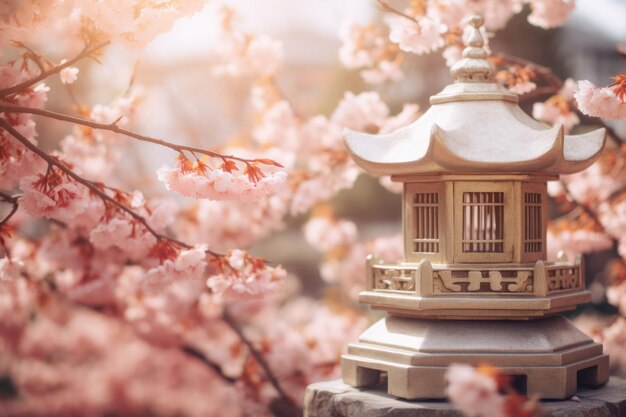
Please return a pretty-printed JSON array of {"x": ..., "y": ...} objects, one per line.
[
  {"x": 483, "y": 222},
  {"x": 426, "y": 221},
  {"x": 533, "y": 239}
]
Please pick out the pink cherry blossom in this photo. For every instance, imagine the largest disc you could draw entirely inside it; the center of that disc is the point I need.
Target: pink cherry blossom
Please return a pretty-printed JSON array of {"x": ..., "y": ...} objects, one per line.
[
  {"x": 383, "y": 71},
  {"x": 448, "y": 12},
  {"x": 94, "y": 160},
  {"x": 599, "y": 101},
  {"x": 346, "y": 268},
  {"x": 17, "y": 298},
  {"x": 158, "y": 301},
  {"x": 550, "y": 13},
  {"x": 53, "y": 196},
  {"x": 419, "y": 37},
  {"x": 452, "y": 54},
  {"x": 326, "y": 234},
  {"x": 554, "y": 115},
  {"x": 16, "y": 162},
  {"x": 241, "y": 276},
  {"x": 361, "y": 45},
  {"x": 217, "y": 184},
  {"x": 496, "y": 13},
  {"x": 124, "y": 234},
  {"x": 616, "y": 295},
  {"x": 244, "y": 54},
  {"x": 614, "y": 341},
  {"x": 576, "y": 242},
  {"x": 279, "y": 126},
  {"x": 474, "y": 393},
  {"x": 360, "y": 111},
  {"x": 324, "y": 185},
  {"x": 68, "y": 74},
  {"x": 367, "y": 47},
  {"x": 596, "y": 183},
  {"x": 319, "y": 134},
  {"x": 264, "y": 54},
  {"x": 524, "y": 87},
  {"x": 227, "y": 224}
]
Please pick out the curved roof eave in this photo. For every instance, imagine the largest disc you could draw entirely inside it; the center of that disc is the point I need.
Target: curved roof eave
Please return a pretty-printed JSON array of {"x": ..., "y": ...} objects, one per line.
[
  {"x": 567, "y": 154},
  {"x": 369, "y": 152},
  {"x": 581, "y": 151}
]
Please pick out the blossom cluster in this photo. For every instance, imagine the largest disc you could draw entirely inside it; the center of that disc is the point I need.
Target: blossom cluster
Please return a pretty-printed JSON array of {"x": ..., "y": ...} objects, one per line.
[
  {"x": 425, "y": 27},
  {"x": 483, "y": 392},
  {"x": 199, "y": 180},
  {"x": 605, "y": 102}
]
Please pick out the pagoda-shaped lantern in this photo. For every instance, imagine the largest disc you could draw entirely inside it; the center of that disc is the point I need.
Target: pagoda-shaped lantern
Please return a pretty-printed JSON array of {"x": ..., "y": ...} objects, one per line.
[{"x": 475, "y": 286}]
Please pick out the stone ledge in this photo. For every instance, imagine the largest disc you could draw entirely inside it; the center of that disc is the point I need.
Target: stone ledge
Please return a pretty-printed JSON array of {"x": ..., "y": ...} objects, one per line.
[{"x": 336, "y": 399}]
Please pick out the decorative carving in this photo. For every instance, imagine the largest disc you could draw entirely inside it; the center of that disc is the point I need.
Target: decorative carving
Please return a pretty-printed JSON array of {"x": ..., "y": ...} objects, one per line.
[
  {"x": 566, "y": 278},
  {"x": 488, "y": 281},
  {"x": 397, "y": 279},
  {"x": 521, "y": 281}
]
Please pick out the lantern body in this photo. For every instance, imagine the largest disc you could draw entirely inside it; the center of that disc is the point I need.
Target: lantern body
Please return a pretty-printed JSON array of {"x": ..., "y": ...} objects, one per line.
[{"x": 475, "y": 285}]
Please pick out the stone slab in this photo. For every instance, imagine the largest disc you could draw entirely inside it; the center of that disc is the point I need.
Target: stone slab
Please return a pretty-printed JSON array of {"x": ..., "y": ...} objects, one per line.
[{"x": 336, "y": 399}]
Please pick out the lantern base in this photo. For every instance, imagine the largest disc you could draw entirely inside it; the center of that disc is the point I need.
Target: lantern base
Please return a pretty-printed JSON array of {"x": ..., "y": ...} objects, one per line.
[{"x": 548, "y": 357}]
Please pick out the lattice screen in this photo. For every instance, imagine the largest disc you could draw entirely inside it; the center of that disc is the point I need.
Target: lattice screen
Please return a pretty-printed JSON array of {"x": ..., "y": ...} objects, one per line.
[
  {"x": 533, "y": 236},
  {"x": 426, "y": 221},
  {"x": 483, "y": 222}
]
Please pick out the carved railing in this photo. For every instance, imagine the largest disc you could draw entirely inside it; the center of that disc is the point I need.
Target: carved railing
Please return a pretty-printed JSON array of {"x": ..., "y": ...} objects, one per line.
[{"x": 425, "y": 279}]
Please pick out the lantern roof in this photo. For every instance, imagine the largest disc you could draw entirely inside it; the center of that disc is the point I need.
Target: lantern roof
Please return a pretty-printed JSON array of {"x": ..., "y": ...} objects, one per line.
[{"x": 475, "y": 126}]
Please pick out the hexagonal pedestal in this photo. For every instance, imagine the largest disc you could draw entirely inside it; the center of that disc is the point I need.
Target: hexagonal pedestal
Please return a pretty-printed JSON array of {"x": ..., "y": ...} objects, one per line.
[{"x": 548, "y": 357}]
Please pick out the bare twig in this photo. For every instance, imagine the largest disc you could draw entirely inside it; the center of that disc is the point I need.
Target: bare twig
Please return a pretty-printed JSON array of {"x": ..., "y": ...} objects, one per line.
[
  {"x": 54, "y": 162},
  {"x": 113, "y": 127},
  {"x": 195, "y": 353},
  {"x": 546, "y": 72},
  {"x": 87, "y": 51},
  {"x": 387, "y": 7},
  {"x": 12, "y": 200},
  {"x": 232, "y": 323}
]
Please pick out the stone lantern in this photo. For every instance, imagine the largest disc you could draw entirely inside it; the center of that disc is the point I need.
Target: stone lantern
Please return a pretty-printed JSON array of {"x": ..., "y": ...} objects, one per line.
[{"x": 474, "y": 285}]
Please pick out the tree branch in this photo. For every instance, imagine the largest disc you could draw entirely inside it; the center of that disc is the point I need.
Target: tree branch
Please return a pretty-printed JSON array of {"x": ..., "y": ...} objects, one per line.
[
  {"x": 550, "y": 77},
  {"x": 387, "y": 7},
  {"x": 113, "y": 127},
  {"x": 87, "y": 51},
  {"x": 232, "y": 323},
  {"x": 12, "y": 200},
  {"x": 195, "y": 353},
  {"x": 186, "y": 349},
  {"x": 555, "y": 85},
  {"x": 53, "y": 162}
]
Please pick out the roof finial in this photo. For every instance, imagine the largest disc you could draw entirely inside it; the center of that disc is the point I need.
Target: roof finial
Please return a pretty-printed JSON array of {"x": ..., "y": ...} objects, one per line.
[{"x": 474, "y": 66}]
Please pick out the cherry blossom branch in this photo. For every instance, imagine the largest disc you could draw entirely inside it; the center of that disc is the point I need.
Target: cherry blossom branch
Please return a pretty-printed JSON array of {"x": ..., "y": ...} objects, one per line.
[
  {"x": 195, "y": 353},
  {"x": 87, "y": 51},
  {"x": 555, "y": 85},
  {"x": 550, "y": 77},
  {"x": 54, "y": 162},
  {"x": 585, "y": 208},
  {"x": 113, "y": 127},
  {"x": 387, "y": 7},
  {"x": 186, "y": 349},
  {"x": 12, "y": 200},
  {"x": 232, "y": 323}
]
